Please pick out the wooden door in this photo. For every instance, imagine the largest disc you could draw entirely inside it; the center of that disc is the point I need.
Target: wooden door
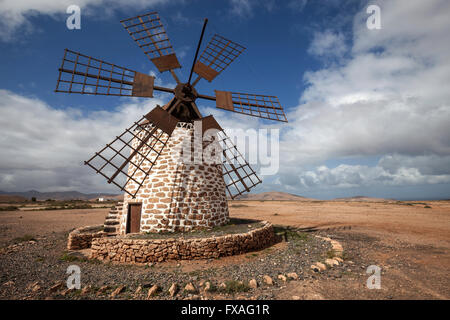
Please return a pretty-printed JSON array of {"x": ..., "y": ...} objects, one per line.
[{"x": 134, "y": 217}]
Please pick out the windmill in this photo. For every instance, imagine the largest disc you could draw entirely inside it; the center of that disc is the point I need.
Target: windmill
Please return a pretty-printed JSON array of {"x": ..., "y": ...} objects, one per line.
[{"x": 163, "y": 193}]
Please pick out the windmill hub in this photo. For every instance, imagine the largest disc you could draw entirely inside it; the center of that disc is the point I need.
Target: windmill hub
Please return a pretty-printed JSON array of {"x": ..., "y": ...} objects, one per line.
[{"x": 185, "y": 92}]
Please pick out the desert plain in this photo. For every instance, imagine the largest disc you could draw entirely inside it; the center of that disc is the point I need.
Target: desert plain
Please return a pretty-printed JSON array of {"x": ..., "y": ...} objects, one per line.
[{"x": 408, "y": 240}]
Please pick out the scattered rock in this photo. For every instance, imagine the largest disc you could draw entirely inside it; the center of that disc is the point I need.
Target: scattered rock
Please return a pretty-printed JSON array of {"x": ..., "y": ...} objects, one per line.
[
  {"x": 292, "y": 275},
  {"x": 102, "y": 289},
  {"x": 32, "y": 285},
  {"x": 9, "y": 283},
  {"x": 36, "y": 288},
  {"x": 190, "y": 288},
  {"x": 282, "y": 277},
  {"x": 201, "y": 283},
  {"x": 315, "y": 268},
  {"x": 66, "y": 292},
  {"x": 268, "y": 280},
  {"x": 118, "y": 290},
  {"x": 296, "y": 298},
  {"x": 58, "y": 285},
  {"x": 173, "y": 289},
  {"x": 222, "y": 285},
  {"x": 152, "y": 291},
  {"x": 321, "y": 266},
  {"x": 85, "y": 290},
  {"x": 331, "y": 262},
  {"x": 138, "y": 290},
  {"x": 338, "y": 259},
  {"x": 207, "y": 286},
  {"x": 253, "y": 284}
]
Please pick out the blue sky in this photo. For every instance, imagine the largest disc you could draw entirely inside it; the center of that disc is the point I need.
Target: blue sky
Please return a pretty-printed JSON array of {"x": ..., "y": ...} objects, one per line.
[{"x": 368, "y": 110}]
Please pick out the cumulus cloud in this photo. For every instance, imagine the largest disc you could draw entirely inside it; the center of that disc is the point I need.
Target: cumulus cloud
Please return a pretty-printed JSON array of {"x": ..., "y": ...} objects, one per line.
[
  {"x": 328, "y": 43},
  {"x": 16, "y": 14},
  {"x": 387, "y": 99},
  {"x": 246, "y": 8},
  {"x": 45, "y": 148},
  {"x": 383, "y": 174},
  {"x": 242, "y": 8}
]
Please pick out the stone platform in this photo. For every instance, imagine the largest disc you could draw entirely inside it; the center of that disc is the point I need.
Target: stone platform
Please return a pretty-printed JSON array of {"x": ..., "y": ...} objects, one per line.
[{"x": 123, "y": 249}]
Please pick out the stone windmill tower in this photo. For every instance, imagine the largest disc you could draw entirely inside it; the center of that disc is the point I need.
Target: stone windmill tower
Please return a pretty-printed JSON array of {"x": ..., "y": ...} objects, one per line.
[{"x": 174, "y": 165}]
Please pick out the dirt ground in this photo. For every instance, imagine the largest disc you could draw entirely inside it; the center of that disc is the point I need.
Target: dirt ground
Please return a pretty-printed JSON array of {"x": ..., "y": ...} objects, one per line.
[{"x": 410, "y": 241}]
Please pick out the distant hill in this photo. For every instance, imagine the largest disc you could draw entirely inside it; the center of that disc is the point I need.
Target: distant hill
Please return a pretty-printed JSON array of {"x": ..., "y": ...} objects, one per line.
[
  {"x": 272, "y": 195},
  {"x": 5, "y": 198},
  {"x": 64, "y": 195},
  {"x": 360, "y": 199}
]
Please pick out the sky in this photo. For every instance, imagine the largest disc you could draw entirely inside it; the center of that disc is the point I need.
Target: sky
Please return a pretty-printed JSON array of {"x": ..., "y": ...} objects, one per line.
[{"x": 368, "y": 109}]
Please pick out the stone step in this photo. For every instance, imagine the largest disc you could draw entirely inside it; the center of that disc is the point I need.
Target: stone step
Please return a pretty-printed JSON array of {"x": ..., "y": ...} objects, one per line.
[
  {"x": 109, "y": 229},
  {"x": 111, "y": 222}
]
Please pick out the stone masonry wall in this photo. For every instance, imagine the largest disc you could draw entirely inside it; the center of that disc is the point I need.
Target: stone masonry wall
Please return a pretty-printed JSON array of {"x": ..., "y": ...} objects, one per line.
[
  {"x": 177, "y": 196},
  {"x": 81, "y": 238},
  {"x": 125, "y": 250}
]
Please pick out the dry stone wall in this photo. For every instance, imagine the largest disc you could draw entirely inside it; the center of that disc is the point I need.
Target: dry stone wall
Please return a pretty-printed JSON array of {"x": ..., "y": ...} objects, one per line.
[
  {"x": 126, "y": 250},
  {"x": 177, "y": 196},
  {"x": 81, "y": 238}
]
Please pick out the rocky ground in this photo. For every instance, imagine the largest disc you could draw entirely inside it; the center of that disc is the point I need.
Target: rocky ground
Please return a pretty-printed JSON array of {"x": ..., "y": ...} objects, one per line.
[{"x": 34, "y": 268}]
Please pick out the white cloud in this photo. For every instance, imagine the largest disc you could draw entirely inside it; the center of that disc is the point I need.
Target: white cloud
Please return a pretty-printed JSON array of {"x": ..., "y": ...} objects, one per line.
[
  {"x": 15, "y": 14},
  {"x": 328, "y": 43},
  {"x": 391, "y": 170},
  {"x": 242, "y": 8},
  {"x": 45, "y": 148},
  {"x": 246, "y": 8},
  {"x": 389, "y": 99}
]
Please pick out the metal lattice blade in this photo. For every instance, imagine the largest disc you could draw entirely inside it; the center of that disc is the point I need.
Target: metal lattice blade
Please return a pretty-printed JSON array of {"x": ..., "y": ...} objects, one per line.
[
  {"x": 218, "y": 55},
  {"x": 239, "y": 177},
  {"x": 149, "y": 33},
  {"x": 129, "y": 158},
  {"x": 83, "y": 74},
  {"x": 267, "y": 107}
]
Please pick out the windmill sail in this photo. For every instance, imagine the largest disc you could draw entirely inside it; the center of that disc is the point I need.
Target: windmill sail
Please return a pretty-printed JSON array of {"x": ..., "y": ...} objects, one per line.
[
  {"x": 129, "y": 158},
  {"x": 218, "y": 55},
  {"x": 239, "y": 177},
  {"x": 87, "y": 75},
  {"x": 266, "y": 107},
  {"x": 149, "y": 33}
]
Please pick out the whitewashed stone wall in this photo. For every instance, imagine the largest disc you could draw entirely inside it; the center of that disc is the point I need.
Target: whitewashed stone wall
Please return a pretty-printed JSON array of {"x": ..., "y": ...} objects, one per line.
[{"x": 177, "y": 196}]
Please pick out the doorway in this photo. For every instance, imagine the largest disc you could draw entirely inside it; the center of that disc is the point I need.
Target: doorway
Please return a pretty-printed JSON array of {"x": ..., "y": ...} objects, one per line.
[{"x": 134, "y": 217}]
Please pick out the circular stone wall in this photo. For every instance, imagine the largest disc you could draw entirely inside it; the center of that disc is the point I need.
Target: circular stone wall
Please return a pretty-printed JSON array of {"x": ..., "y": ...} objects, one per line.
[
  {"x": 122, "y": 249},
  {"x": 81, "y": 238}
]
